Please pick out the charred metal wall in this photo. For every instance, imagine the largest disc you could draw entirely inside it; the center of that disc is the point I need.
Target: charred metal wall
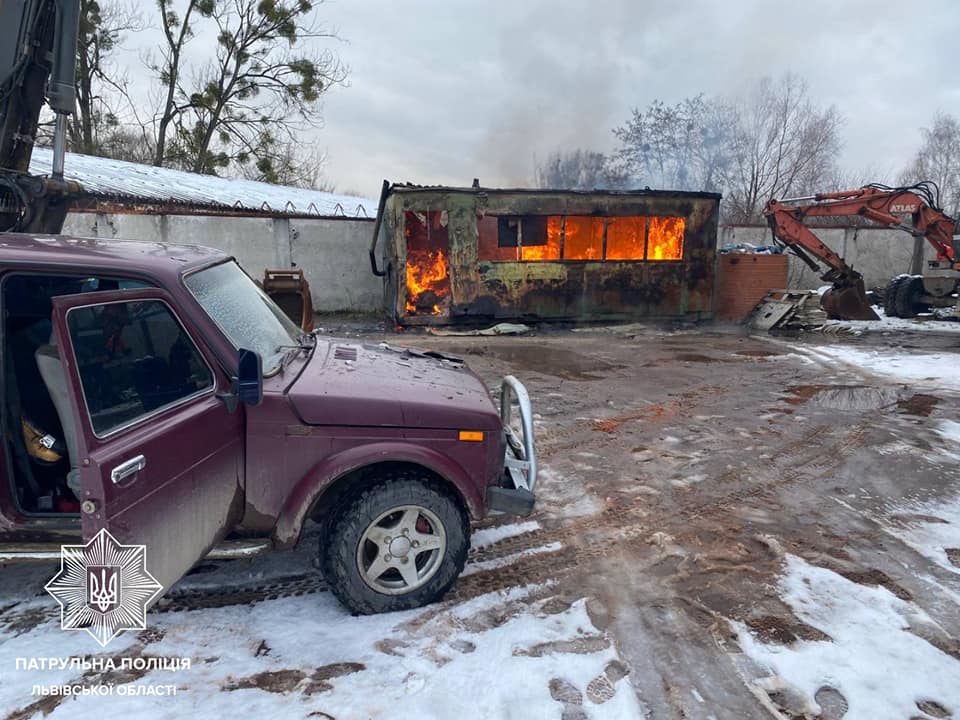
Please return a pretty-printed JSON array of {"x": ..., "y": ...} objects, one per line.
[{"x": 485, "y": 284}]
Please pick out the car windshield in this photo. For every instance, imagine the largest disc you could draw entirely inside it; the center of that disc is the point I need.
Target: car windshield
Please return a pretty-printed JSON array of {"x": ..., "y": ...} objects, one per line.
[{"x": 249, "y": 318}]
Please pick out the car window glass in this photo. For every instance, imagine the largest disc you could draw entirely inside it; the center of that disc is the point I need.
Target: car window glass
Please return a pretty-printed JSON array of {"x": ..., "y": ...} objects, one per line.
[{"x": 133, "y": 358}]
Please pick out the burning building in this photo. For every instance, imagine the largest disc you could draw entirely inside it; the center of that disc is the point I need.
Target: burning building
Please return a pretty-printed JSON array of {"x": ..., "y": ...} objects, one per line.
[{"x": 454, "y": 255}]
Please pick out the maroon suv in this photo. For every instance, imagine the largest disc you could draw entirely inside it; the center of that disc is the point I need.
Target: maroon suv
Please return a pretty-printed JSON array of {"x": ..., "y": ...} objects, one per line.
[{"x": 155, "y": 391}]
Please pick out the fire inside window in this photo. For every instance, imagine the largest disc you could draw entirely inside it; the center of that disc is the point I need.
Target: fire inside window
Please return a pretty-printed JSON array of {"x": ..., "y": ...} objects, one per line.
[
  {"x": 578, "y": 237},
  {"x": 428, "y": 282}
]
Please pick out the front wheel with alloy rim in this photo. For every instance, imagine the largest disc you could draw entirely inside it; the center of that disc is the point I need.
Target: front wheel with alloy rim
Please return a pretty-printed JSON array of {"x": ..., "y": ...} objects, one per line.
[{"x": 396, "y": 545}]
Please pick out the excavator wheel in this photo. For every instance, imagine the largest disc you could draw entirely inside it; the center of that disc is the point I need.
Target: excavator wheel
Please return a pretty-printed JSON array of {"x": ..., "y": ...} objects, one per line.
[
  {"x": 890, "y": 296},
  {"x": 908, "y": 302}
]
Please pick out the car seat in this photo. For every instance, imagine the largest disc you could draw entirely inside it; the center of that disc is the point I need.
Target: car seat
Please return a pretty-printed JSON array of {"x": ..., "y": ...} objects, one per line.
[{"x": 55, "y": 378}]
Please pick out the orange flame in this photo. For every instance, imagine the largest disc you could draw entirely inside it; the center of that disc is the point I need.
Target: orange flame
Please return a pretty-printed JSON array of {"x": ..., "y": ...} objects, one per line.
[
  {"x": 426, "y": 272},
  {"x": 549, "y": 251},
  {"x": 665, "y": 240}
]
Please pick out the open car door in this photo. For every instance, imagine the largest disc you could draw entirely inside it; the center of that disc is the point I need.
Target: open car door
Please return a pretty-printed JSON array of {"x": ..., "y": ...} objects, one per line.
[{"x": 160, "y": 455}]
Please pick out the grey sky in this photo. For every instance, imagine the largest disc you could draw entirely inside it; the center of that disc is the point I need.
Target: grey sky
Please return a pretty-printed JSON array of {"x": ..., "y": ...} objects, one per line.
[
  {"x": 445, "y": 91},
  {"x": 442, "y": 92}
]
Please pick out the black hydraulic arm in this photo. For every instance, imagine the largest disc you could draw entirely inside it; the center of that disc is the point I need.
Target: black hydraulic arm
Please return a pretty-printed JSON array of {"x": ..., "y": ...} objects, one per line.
[{"x": 38, "y": 45}]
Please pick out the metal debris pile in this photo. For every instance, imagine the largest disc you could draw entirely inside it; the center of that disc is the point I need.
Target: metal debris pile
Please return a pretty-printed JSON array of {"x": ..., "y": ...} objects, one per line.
[{"x": 788, "y": 310}]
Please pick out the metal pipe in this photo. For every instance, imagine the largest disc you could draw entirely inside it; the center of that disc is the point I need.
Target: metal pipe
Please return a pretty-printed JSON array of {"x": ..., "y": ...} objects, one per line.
[
  {"x": 59, "y": 145},
  {"x": 511, "y": 387}
]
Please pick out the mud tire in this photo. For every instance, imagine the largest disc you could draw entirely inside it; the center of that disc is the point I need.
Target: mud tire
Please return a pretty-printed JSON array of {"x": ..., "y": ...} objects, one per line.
[
  {"x": 353, "y": 516},
  {"x": 907, "y": 302},
  {"x": 890, "y": 296}
]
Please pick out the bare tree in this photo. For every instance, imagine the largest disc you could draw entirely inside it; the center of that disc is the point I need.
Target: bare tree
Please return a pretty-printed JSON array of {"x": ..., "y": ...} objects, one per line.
[
  {"x": 681, "y": 147},
  {"x": 177, "y": 32},
  {"x": 578, "y": 170},
  {"x": 938, "y": 159},
  {"x": 784, "y": 145},
  {"x": 290, "y": 164},
  {"x": 262, "y": 89},
  {"x": 101, "y": 87},
  {"x": 130, "y": 142}
]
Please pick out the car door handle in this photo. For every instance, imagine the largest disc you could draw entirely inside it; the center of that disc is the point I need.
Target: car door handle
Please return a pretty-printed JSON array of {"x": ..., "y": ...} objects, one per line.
[{"x": 125, "y": 469}]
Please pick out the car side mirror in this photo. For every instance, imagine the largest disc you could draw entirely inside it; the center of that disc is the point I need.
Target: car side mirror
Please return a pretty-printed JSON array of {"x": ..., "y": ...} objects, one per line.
[{"x": 249, "y": 377}]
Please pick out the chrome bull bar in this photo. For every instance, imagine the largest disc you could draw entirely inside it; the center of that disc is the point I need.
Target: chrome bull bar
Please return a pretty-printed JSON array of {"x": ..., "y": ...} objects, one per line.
[{"x": 521, "y": 456}]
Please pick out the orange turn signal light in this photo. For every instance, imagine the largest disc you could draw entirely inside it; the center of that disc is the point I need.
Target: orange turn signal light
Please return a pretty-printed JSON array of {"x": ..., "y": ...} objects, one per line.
[{"x": 471, "y": 435}]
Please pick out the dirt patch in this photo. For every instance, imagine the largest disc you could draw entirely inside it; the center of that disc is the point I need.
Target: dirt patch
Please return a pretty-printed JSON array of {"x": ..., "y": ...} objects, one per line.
[
  {"x": 909, "y": 519},
  {"x": 920, "y": 404},
  {"x": 934, "y": 709},
  {"x": 274, "y": 681},
  {"x": 45, "y": 706},
  {"x": 578, "y": 646},
  {"x": 27, "y": 620},
  {"x": 150, "y": 636},
  {"x": 319, "y": 680},
  {"x": 559, "y": 362},
  {"x": 842, "y": 397},
  {"x": 757, "y": 353},
  {"x": 775, "y": 629},
  {"x": 285, "y": 681},
  {"x": 696, "y": 357},
  {"x": 803, "y": 393},
  {"x": 876, "y": 578}
]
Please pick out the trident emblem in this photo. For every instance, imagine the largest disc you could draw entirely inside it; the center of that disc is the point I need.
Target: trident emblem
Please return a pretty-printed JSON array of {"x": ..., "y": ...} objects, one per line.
[{"x": 102, "y": 591}]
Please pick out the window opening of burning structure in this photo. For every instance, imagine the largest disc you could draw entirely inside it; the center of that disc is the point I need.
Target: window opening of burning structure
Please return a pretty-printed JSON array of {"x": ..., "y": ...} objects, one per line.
[
  {"x": 665, "y": 238},
  {"x": 513, "y": 238},
  {"x": 428, "y": 243},
  {"x": 580, "y": 238}
]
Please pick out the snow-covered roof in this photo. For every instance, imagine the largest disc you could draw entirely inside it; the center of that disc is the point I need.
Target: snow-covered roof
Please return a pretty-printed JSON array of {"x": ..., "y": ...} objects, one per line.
[{"x": 126, "y": 181}]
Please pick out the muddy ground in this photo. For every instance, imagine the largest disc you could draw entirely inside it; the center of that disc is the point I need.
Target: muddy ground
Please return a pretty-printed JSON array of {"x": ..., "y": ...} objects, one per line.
[{"x": 679, "y": 469}]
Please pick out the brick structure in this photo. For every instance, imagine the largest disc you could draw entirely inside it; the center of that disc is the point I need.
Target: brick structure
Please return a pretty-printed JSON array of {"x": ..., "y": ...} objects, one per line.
[{"x": 743, "y": 280}]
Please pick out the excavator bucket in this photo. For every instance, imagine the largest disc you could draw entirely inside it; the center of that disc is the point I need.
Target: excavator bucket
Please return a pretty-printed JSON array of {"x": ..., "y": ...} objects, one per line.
[{"x": 848, "y": 301}]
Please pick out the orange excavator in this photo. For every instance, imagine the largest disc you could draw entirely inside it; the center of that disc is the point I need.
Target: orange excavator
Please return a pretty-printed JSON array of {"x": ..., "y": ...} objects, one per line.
[{"x": 913, "y": 208}]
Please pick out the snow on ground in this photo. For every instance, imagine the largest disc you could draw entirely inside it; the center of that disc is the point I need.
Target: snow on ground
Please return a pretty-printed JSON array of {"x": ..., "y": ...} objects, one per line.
[
  {"x": 931, "y": 527},
  {"x": 892, "y": 324},
  {"x": 489, "y": 536},
  {"x": 523, "y": 652},
  {"x": 950, "y": 431},
  {"x": 873, "y": 659},
  {"x": 925, "y": 368},
  {"x": 296, "y": 656},
  {"x": 485, "y": 565}
]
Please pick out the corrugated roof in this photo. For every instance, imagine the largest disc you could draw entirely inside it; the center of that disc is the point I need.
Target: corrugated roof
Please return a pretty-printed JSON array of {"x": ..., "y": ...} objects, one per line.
[{"x": 125, "y": 181}]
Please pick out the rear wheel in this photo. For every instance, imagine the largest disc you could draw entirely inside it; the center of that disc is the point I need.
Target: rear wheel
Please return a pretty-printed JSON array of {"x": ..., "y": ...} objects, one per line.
[
  {"x": 397, "y": 545},
  {"x": 890, "y": 296},
  {"x": 908, "y": 300}
]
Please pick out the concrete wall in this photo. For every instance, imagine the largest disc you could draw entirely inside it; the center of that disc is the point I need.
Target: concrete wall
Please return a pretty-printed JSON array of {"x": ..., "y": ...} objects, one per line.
[
  {"x": 878, "y": 253},
  {"x": 331, "y": 251}
]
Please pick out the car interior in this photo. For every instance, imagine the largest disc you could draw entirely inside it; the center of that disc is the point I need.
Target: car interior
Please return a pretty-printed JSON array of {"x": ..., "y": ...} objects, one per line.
[{"x": 38, "y": 422}]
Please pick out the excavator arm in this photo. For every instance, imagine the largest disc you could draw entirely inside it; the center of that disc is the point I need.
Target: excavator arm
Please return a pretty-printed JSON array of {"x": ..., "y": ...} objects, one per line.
[
  {"x": 38, "y": 45},
  {"x": 913, "y": 209}
]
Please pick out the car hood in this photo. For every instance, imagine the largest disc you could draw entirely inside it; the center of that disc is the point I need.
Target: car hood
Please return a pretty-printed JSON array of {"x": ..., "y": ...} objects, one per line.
[{"x": 348, "y": 383}]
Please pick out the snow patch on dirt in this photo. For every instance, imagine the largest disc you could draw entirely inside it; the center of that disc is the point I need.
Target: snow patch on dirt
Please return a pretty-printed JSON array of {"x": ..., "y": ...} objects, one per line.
[
  {"x": 893, "y": 324},
  {"x": 564, "y": 497},
  {"x": 489, "y": 536},
  {"x": 932, "y": 528},
  {"x": 880, "y": 667},
  {"x": 484, "y": 565},
  {"x": 419, "y": 664},
  {"x": 922, "y": 368}
]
